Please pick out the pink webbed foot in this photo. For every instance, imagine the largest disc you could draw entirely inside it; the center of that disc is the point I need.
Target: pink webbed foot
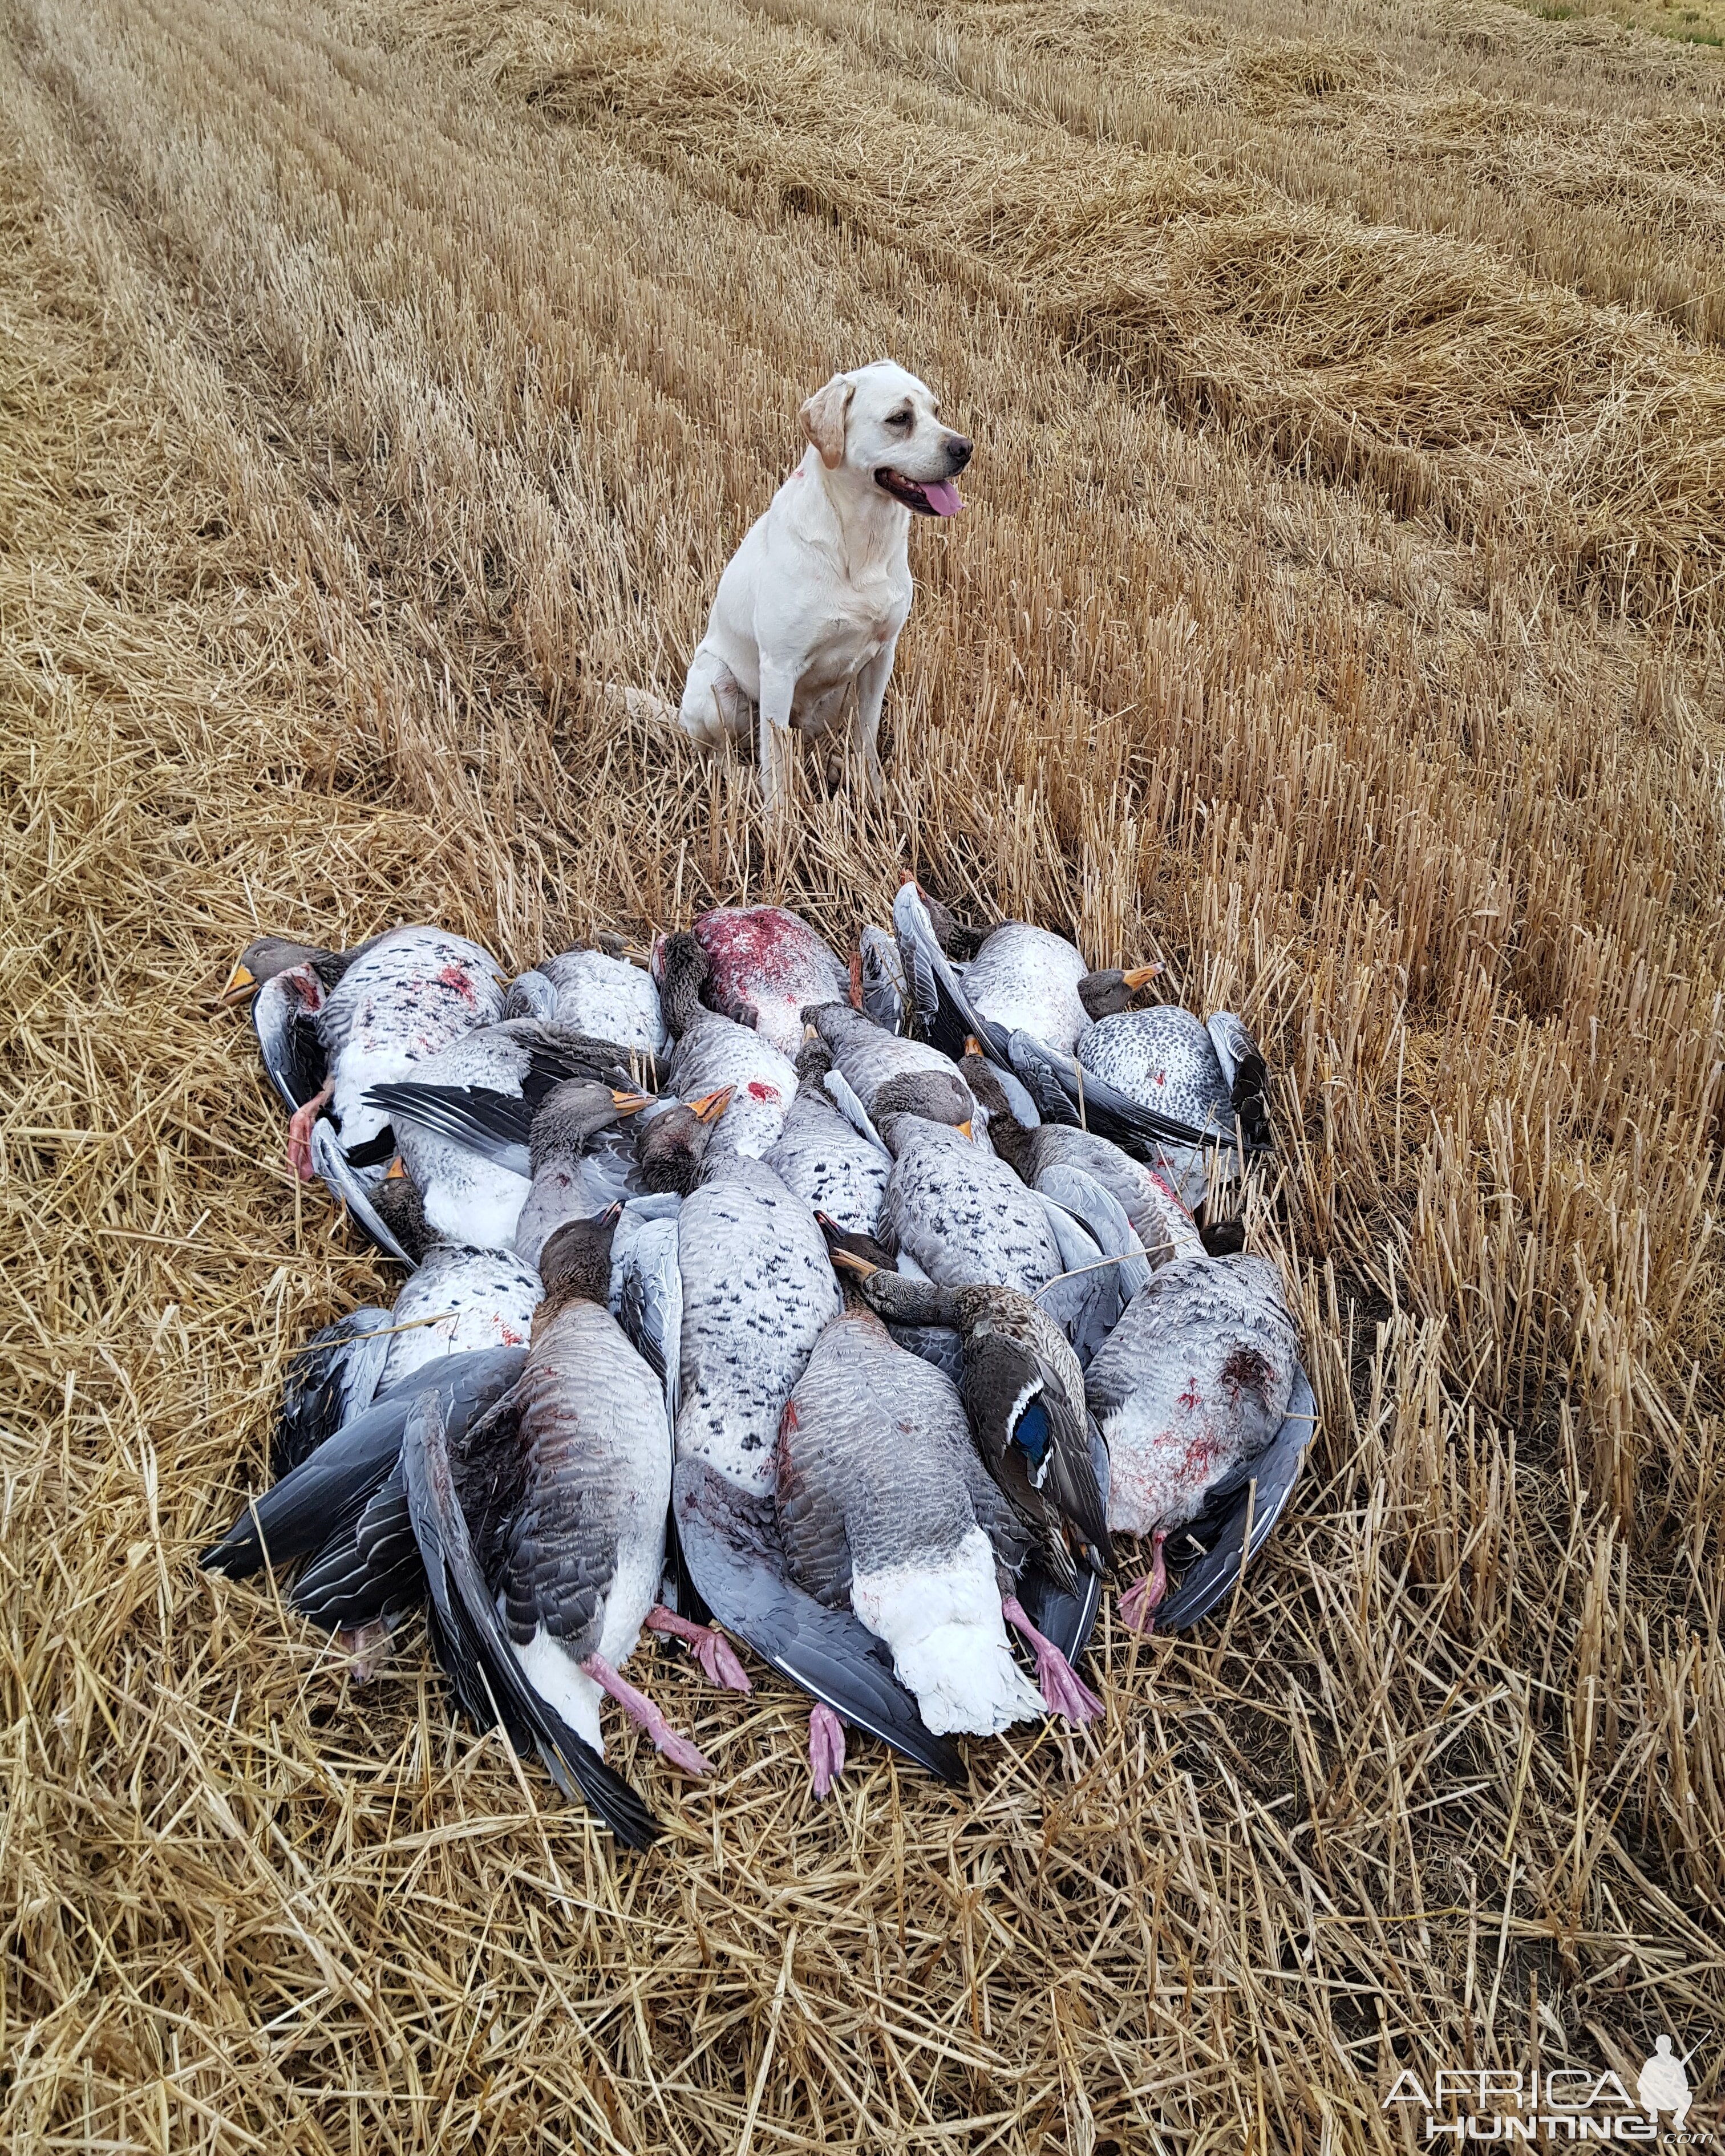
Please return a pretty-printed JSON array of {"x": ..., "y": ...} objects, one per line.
[
  {"x": 1137, "y": 1605},
  {"x": 366, "y": 1643},
  {"x": 300, "y": 1134},
  {"x": 826, "y": 1748},
  {"x": 1061, "y": 1687},
  {"x": 639, "y": 1708},
  {"x": 711, "y": 1649}
]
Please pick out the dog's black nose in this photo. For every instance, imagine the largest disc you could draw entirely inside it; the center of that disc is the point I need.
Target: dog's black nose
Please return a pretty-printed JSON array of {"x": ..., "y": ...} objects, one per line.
[{"x": 958, "y": 453}]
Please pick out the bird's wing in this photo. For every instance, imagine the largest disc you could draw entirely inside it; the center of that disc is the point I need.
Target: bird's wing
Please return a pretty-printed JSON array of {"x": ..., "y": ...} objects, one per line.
[
  {"x": 1108, "y": 1291},
  {"x": 493, "y": 1125},
  {"x": 333, "y": 1379},
  {"x": 347, "y": 1183},
  {"x": 845, "y": 1098},
  {"x": 283, "y": 1018},
  {"x": 730, "y": 1545},
  {"x": 883, "y": 979},
  {"x": 1264, "y": 1491},
  {"x": 328, "y": 1492},
  {"x": 1243, "y": 1065},
  {"x": 370, "y": 1571},
  {"x": 647, "y": 1291},
  {"x": 1068, "y": 1300},
  {"x": 944, "y": 1011},
  {"x": 472, "y": 1647}
]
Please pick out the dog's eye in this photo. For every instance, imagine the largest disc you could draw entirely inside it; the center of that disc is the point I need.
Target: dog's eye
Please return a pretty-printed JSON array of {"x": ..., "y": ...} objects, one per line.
[{"x": 899, "y": 419}]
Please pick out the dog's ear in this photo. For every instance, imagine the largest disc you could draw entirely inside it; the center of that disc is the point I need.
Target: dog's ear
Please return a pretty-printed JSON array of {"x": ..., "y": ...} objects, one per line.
[{"x": 824, "y": 419}]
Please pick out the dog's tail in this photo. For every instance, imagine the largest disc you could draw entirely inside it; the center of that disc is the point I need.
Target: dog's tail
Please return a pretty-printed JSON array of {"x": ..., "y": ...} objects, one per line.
[{"x": 639, "y": 707}]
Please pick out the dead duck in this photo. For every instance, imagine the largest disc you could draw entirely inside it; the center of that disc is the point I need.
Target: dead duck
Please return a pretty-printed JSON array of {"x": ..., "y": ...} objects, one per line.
[{"x": 1198, "y": 1394}]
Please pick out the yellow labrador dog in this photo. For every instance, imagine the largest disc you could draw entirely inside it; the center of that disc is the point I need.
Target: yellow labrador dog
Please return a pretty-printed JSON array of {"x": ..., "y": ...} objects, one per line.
[{"x": 812, "y": 602}]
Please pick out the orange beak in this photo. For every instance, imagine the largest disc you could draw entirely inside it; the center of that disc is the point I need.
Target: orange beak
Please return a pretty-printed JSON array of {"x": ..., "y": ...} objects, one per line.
[
  {"x": 630, "y": 1104},
  {"x": 242, "y": 982},
  {"x": 964, "y": 1129},
  {"x": 394, "y": 1170},
  {"x": 1135, "y": 976},
  {"x": 711, "y": 1107},
  {"x": 972, "y": 1046}
]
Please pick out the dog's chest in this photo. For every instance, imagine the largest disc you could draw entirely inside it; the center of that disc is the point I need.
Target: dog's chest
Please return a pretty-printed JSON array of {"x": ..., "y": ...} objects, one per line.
[{"x": 856, "y": 622}]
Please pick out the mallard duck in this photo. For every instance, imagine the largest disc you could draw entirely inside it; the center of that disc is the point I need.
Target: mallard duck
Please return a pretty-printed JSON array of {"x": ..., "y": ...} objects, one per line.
[
  {"x": 766, "y": 965},
  {"x": 342, "y": 1022},
  {"x": 1024, "y": 1397},
  {"x": 821, "y": 1157},
  {"x": 597, "y": 992},
  {"x": 713, "y": 1051},
  {"x": 1192, "y": 1392},
  {"x": 464, "y": 1123}
]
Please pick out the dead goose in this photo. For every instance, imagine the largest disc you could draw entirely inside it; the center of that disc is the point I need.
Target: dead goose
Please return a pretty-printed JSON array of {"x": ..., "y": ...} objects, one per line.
[
  {"x": 1024, "y": 1397},
  {"x": 758, "y": 1292},
  {"x": 1037, "y": 1151},
  {"x": 1194, "y": 1392},
  {"x": 390, "y": 1005},
  {"x": 598, "y": 992},
  {"x": 766, "y": 965},
  {"x": 875, "y": 1073},
  {"x": 463, "y": 1123},
  {"x": 821, "y": 1157},
  {"x": 1022, "y": 979},
  {"x": 1210, "y": 1077},
  {"x": 713, "y": 1051}
]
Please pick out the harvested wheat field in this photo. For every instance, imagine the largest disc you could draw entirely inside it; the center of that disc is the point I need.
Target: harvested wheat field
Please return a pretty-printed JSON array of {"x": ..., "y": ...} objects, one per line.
[{"x": 1337, "y": 616}]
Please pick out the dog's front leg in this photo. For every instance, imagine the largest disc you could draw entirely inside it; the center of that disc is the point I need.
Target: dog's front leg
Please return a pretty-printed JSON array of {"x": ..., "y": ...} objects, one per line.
[
  {"x": 779, "y": 691},
  {"x": 870, "y": 695}
]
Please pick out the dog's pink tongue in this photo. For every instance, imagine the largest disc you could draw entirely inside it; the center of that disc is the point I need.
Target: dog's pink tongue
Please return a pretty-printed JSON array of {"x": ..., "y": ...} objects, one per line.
[{"x": 941, "y": 497}]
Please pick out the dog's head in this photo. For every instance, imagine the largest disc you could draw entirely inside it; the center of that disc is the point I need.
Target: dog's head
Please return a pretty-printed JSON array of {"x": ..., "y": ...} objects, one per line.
[{"x": 882, "y": 425}]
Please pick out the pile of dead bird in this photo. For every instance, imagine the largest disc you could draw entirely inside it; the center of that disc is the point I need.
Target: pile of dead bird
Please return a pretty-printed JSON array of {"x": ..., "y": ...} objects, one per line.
[{"x": 857, "y": 1315}]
